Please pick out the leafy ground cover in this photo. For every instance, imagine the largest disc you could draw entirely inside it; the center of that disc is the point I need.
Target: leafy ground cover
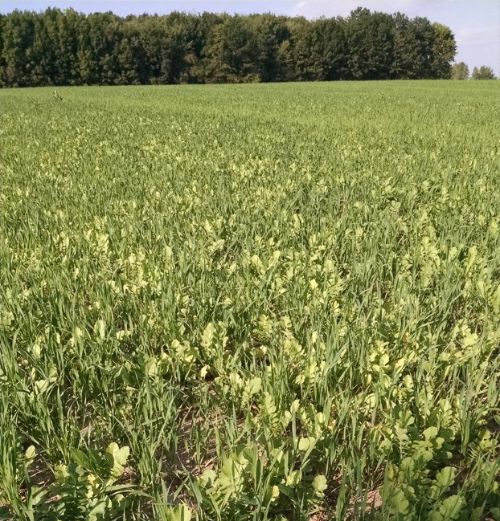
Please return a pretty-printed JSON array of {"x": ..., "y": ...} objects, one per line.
[{"x": 250, "y": 302}]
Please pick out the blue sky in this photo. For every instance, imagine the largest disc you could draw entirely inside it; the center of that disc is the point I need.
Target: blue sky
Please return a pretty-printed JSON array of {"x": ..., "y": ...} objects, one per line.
[{"x": 476, "y": 23}]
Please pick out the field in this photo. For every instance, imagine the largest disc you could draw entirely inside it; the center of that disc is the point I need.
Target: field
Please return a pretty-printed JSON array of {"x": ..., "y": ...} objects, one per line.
[{"x": 250, "y": 302}]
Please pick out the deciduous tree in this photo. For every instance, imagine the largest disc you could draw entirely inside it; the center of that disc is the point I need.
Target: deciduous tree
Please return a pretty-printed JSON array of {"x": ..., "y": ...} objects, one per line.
[
  {"x": 460, "y": 71},
  {"x": 483, "y": 73}
]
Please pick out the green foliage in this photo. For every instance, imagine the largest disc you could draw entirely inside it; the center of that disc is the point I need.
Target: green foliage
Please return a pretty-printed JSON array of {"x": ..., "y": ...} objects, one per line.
[
  {"x": 448, "y": 510},
  {"x": 67, "y": 48},
  {"x": 84, "y": 489},
  {"x": 444, "y": 49},
  {"x": 278, "y": 301},
  {"x": 460, "y": 71},
  {"x": 483, "y": 73}
]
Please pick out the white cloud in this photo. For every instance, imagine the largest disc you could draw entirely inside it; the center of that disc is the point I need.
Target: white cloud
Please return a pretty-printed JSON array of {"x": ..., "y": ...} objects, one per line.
[
  {"x": 479, "y": 36},
  {"x": 478, "y": 46},
  {"x": 317, "y": 8}
]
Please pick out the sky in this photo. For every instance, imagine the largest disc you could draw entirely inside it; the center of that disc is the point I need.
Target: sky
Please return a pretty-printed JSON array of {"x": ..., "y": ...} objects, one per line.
[{"x": 475, "y": 23}]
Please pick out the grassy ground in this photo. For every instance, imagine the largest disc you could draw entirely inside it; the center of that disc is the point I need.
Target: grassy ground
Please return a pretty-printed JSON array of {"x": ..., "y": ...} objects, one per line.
[{"x": 250, "y": 302}]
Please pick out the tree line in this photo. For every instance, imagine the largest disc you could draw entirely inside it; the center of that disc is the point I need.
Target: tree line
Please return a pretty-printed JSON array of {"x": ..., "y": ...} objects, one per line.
[
  {"x": 70, "y": 48},
  {"x": 460, "y": 71}
]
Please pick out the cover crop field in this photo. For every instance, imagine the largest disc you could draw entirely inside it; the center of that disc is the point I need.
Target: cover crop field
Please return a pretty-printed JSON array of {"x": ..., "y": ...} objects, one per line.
[{"x": 250, "y": 302}]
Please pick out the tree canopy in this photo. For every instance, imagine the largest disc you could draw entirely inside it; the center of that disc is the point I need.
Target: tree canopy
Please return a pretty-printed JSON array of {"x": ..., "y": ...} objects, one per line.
[
  {"x": 483, "y": 73},
  {"x": 460, "y": 71},
  {"x": 69, "y": 48}
]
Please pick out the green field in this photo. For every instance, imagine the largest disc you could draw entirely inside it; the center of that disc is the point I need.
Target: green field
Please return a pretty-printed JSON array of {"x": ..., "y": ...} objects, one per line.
[{"x": 250, "y": 302}]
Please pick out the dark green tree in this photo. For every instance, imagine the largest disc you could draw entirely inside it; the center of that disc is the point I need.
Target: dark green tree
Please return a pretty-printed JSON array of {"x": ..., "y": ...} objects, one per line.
[
  {"x": 297, "y": 59},
  {"x": 69, "y": 48},
  {"x": 408, "y": 49},
  {"x": 327, "y": 57},
  {"x": 18, "y": 35},
  {"x": 232, "y": 51},
  {"x": 270, "y": 34},
  {"x": 370, "y": 39}
]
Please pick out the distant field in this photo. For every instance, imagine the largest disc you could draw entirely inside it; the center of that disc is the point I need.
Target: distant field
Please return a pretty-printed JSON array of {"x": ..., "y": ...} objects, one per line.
[{"x": 250, "y": 302}]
